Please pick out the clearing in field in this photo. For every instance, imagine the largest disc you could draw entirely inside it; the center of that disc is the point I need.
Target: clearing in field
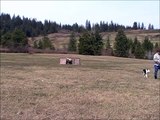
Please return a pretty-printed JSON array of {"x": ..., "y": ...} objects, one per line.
[{"x": 37, "y": 87}]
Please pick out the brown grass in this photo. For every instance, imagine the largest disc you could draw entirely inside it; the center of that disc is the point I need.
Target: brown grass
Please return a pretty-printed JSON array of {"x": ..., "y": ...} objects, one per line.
[{"x": 36, "y": 87}]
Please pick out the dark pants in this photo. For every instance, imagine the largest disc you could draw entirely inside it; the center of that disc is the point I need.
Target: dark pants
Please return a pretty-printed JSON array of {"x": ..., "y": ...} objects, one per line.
[{"x": 156, "y": 68}]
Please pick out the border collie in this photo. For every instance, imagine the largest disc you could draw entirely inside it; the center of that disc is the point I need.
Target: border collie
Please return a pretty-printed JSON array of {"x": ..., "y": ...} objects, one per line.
[
  {"x": 145, "y": 72},
  {"x": 68, "y": 61}
]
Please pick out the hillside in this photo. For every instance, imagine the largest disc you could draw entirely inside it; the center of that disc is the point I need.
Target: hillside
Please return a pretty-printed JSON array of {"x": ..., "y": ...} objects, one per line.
[{"x": 60, "y": 40}]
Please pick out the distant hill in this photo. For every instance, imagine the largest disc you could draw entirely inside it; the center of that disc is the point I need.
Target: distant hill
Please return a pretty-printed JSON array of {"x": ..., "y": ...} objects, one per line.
[{"x": 60, "y": 40}]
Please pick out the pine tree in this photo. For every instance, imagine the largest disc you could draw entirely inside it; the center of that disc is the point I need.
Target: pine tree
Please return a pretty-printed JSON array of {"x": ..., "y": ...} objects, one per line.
[
  {"x": 19, "y": 38},
  {"x": 149, "y": 27},
  {"x": 133, "y": 47},
  {"x": 40, "y": 44},
  {"x": 75, "y": 27},
  {"x": 139, "y": 51},
  {"x": 47, "y": 43},
  {"x": 156, "y": 46},
  {"x": 72, "y": 43},
  {"x": 97, "y": 43},
  {"x": 84, "y": 45},
  {"x": 142, "y": 26},
  {"x": 147, "y": 45},
  {"x": 44, "y": 43},
  {"x": 97, "y": 27},
  {"x": 135, "y": 26},
  {"x": 121, "y": 44},
  {"x": 90, "y": 43},
  {"x": 152, "y": 27},
  {"x": 88, "y": 25},
  {"x": 6, "y": 40}
]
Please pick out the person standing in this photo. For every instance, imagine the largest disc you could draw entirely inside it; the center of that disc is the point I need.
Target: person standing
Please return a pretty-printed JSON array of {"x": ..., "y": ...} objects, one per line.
[{"x": 156, "y": 59}]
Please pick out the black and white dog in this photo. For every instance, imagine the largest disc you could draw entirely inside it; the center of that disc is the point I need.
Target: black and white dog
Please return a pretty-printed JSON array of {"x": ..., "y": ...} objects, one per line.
[
  {"x": 145, "y": 72},
  {"x": 68, "y": 61}
]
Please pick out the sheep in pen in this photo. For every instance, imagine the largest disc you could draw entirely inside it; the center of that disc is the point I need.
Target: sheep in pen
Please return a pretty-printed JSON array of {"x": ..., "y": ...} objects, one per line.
[{"x": 70, "y": 61}]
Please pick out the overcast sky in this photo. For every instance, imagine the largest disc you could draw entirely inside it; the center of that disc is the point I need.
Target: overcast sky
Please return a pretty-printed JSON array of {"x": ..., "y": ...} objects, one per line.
[{"x": 70, "y": 12}]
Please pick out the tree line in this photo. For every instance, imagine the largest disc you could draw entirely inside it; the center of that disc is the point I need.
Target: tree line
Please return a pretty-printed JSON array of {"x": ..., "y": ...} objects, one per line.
[
  {"x": 91, "y": 43},
  {"x": 33, "y": 28},
  {"x": 125, "y": 47}
]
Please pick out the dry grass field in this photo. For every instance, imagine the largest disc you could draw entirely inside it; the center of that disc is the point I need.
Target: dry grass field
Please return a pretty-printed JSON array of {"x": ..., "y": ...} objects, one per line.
[{"x": 36, "y": 87}]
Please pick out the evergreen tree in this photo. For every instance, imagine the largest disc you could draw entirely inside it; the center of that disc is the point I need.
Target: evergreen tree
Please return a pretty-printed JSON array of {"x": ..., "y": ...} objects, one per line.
[
  {"x": 47, "y": 43},
  {"x": 19, "y": 38},
  {"x": 147, "y": 45},
  {"x": 149, "y": 27},
  {"x": 97, "y": 27},
  {"x": 156, "y": 46},
  {"x": 75, "y": 27},
  {"x": 111, "y": 26},
  {"x": 72, "y": 43},
  {"x": 46, "y": 27},
  {"x": 5, "y": 23},
  {"x": 53, "y": 27},
  {"x": 81, "y": 29},
  {"x": 97, "y": 43},
  {"x": 121, "y": 44},
  {"x": 6, "y": 40},
  {"x": 88, "y": 25},
  {"x": 152, "y": 27},
  {"x": 40, "y": 44},
  {"x": 44, "y": 43},
  {"x": 142, "y": 26},
  {"x": 133, "y": 47},
  {"x": 139, "y": 51},
  {"x": 90, "y": 44},
  {"x": 84, "y": 44},
  {"x": 135, "y": 26}
]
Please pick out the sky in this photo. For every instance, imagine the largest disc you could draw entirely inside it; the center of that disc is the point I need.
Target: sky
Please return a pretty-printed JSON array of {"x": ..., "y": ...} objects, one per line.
[{"x": 124, "y": 12}]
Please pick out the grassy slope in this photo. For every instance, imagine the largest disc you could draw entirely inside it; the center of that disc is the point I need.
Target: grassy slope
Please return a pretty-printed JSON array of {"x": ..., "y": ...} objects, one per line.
[
  {"x": 60, "y": 40},
  {"x": 36, "y": 87}
]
